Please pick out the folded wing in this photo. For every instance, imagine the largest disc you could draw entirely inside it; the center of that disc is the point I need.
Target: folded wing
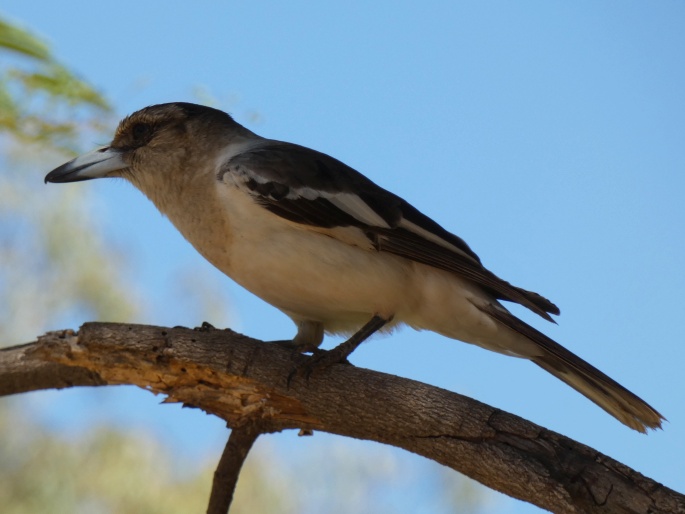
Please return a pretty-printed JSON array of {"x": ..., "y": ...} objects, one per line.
[{"x": 314, "y": 189}]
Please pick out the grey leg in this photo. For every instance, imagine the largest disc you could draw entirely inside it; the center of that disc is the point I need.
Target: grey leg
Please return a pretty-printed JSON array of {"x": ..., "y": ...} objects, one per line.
[{"x": 340, "y": 353}]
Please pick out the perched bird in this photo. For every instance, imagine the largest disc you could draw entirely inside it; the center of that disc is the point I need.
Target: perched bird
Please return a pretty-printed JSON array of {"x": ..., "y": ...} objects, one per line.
[{"x": 327, "y": 246}]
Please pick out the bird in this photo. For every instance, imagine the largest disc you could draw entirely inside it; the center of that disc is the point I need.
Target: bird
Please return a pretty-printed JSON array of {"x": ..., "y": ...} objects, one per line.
[{"x": 328, "y": 247}]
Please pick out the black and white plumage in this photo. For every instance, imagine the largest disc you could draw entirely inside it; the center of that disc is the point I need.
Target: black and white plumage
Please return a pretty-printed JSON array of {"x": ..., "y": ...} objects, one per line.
[
  {"x": 311, "y": 188},
  {"x": 326, "y": 245}
]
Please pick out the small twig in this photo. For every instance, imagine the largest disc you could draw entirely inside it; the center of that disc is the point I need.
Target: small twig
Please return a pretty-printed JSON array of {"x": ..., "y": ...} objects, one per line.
[{"x": 228, "y": 470}]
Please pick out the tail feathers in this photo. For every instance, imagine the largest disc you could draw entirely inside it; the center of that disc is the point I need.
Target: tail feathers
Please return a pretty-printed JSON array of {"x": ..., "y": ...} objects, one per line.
[
  {"x": 540, "y": 301},
  {"x": 611, "y": 396}
]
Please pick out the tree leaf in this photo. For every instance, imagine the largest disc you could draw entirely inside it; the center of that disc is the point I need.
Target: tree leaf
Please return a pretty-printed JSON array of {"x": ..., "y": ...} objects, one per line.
[{"x": 21, "y": 41}]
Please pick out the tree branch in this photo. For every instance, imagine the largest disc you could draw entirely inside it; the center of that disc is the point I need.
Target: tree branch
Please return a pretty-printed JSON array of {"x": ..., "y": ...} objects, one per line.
[
  {"x": 244, "y": 381},
  {"x": 228, "y": 470}
]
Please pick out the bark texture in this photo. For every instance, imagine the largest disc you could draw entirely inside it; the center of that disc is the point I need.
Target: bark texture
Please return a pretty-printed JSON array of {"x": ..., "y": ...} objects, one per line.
[{"x": 245, "y": 381}]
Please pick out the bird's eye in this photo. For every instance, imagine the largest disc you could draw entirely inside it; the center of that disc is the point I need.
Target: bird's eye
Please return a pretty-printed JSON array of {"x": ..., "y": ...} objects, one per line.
[{"x": 141, "y": 133}]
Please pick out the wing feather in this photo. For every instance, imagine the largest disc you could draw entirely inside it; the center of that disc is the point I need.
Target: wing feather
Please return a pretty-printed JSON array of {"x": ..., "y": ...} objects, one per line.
[{"x": 314, "y": 189}]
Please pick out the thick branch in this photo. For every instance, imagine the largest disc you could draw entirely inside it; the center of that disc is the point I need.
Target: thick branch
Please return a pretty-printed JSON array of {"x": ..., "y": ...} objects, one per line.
[
  {"x": 22, "y": 371},
  {"x": 242, "y": 380}
]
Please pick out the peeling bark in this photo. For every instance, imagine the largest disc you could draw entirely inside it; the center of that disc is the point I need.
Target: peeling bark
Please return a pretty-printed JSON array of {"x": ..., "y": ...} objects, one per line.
[{"x": 244, "y": 381}]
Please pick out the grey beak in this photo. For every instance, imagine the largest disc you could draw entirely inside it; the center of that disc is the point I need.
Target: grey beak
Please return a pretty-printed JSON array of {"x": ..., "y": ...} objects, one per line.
[{"x": 96, "y": 164}]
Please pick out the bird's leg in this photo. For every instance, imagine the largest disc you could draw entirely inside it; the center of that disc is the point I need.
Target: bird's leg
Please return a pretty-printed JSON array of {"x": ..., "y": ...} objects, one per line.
[
  {"x": 322, "y": 359},
  {"x": 308, "y": 338},
  {"x": 344, "y": 349}
]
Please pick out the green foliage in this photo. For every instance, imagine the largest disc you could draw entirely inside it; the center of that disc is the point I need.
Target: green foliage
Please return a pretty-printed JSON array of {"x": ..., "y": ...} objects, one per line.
[
  {"x": 103, "y": 471},
  {"x": 56, "y": 266},
  {"x": 107, "y": 471},
  {"x": 20, "y": 41},
  {"x": 54, "y": 263},
  {"x": 41, "y": 101}
]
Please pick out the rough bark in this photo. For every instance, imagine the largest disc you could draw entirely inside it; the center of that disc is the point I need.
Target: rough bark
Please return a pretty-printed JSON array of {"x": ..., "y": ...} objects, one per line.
[
  {"x": 228, "y": 470},
  {"x": 245, "y": 381}
]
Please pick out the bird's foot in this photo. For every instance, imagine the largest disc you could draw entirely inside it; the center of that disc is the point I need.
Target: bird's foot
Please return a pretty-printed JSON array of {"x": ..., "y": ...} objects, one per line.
[
  {"x": 319, "y": 360},
  {"x": 297, "y": 350}
]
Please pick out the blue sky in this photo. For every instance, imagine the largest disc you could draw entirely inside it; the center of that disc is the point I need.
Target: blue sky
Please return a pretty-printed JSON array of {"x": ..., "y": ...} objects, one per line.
[{"x": 549, "y": 135}]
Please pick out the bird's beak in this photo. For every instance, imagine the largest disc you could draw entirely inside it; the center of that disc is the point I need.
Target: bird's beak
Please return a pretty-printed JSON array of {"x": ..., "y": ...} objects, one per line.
[{"x": 96, "y": 164}]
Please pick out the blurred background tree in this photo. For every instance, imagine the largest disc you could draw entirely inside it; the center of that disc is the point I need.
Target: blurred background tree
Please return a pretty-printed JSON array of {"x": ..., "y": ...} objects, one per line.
[
  {"x": 52, "y": 259},
  {"x": 54, "y": 262}
]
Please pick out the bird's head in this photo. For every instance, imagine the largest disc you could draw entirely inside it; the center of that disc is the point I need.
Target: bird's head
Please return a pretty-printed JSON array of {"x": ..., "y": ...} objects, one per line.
[{"x": 156, "y": 143}]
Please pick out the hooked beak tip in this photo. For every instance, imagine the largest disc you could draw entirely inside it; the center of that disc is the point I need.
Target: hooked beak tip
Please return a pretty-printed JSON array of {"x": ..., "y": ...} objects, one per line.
[{"x": 96, "y": 164}]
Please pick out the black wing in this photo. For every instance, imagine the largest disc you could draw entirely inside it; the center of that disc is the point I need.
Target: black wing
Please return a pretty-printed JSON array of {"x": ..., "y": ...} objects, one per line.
[{"x": 312, "y": 188}]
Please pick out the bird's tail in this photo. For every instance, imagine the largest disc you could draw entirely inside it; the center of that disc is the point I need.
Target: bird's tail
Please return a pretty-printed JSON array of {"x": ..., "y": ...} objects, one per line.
[{"x": 611, "y": 396}]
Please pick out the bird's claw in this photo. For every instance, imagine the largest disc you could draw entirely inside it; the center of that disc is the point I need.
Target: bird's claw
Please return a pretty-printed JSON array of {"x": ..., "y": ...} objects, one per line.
[{"x": 320, "y": 359}]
